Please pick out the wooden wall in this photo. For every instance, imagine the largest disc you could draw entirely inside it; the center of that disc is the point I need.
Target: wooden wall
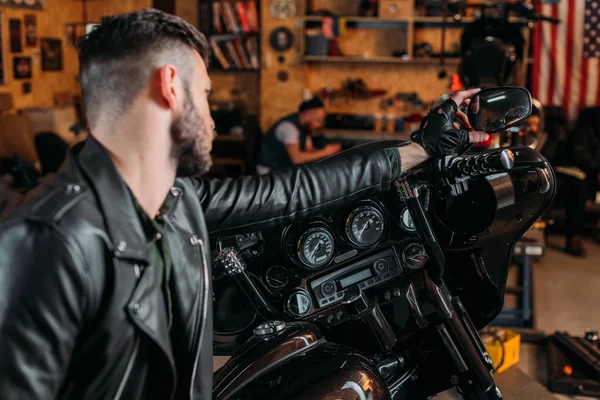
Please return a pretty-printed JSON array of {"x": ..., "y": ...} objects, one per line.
[
  {"x": 99, "y": 8},
  {"x": 44, "y": 85},
  {"x": 278, "y": 99}
]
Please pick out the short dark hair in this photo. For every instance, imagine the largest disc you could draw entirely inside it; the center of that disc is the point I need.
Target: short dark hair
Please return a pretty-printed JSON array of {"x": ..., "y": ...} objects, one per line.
[
  {"x": 313, "y": 103},
  {"x": 118, "y": 56}
]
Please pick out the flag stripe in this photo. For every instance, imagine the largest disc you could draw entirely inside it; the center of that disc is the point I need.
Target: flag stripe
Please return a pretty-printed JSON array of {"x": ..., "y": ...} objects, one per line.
[
  {"x": 591, "y": 87},
  {"x": 570, "y": 16},
  {"x": 560, "y": 59},
  {"x": 552, "y": 79},
  {"x": 578, "y": 74},
  {"x": 582, "y": 86},
  {"x": 537, "y": 52},
  {"x": 545, "y": 57},
  {"x": 597, "y": 83}
]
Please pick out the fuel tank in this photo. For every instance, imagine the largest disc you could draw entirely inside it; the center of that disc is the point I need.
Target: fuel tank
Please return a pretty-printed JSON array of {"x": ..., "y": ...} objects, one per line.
[{"x": 293, "y": 361}]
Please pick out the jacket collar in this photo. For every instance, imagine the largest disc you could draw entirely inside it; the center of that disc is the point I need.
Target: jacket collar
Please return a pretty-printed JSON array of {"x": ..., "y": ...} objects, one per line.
[{"x": 123, "y": 225}]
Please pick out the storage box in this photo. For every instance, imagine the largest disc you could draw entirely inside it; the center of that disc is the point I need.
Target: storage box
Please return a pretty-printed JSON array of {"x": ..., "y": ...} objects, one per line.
[
  {"x": 502, "y": 343},
  {"x": 396, "y": 9}
]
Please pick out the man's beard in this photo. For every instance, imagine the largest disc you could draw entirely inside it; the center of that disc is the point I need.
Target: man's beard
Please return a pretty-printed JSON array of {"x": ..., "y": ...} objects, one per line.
[{"x": 190, "y": 149}]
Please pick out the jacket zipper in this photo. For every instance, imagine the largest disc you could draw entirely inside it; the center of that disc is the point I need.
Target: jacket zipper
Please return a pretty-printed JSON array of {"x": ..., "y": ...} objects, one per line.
[
  {"x": 203, "y": 317},
  {"x": 130, "y": 363},
  {"x": 136, "y": 346}
]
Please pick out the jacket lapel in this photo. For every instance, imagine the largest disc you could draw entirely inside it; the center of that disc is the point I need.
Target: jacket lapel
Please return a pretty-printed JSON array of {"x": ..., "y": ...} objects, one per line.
[
  {"x": 146, "y": 306},
  {"x": 122, "y": 223}
]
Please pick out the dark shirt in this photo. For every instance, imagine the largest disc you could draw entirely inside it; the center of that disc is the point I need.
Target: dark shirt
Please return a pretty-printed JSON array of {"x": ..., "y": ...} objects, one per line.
[{"x": 158, "y": 250}]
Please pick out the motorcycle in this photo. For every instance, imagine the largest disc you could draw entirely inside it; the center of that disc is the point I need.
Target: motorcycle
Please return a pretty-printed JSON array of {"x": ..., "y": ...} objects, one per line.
[{"x": 382, "y": 299}]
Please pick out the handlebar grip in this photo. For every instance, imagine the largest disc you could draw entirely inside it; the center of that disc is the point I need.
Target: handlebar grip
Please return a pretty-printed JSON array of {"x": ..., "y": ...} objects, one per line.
[{"x": 482, "y": 164}]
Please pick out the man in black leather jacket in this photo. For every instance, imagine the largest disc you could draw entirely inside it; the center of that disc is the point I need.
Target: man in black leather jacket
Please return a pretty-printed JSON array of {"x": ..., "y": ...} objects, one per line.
[{"x": 105, "y": 276}]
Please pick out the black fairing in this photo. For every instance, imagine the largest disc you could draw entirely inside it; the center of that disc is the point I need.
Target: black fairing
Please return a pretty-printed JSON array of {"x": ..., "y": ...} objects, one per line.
[
  {"x": 479, "y": 230},
  {"x": 297, "y": 363}
]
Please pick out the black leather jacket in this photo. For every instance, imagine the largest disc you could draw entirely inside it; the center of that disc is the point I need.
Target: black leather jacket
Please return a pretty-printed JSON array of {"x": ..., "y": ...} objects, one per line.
[{"x": 81, "y": 315}]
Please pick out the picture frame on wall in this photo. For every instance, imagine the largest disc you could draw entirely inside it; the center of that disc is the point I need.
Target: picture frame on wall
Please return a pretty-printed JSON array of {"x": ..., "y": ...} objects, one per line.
[
  {"x": 14, "y": 29},
  {"x": 22, "y": 67},
  {"x": 30, "y": 30},
  {"x": 52, "y": 58}
]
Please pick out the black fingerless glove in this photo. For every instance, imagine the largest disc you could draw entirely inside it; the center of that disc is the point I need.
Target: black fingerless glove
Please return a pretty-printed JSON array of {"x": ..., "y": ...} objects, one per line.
[
  {"x": 475, "y": 120},
  {"x": 440, "y": 137}
]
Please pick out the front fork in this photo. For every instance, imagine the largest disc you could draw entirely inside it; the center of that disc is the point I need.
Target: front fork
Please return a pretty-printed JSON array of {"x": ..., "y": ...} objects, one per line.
[{"x": 461, "y": 340}]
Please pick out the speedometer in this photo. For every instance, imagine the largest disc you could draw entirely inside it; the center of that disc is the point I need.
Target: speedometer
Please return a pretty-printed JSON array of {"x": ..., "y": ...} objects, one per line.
[
  {"x": 316, "y": 247},
  {"x": 365, "y": 226}
]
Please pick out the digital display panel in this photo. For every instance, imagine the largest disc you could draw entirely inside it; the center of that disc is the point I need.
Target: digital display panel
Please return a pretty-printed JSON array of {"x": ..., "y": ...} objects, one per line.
[{"x": 357, "y": 277}]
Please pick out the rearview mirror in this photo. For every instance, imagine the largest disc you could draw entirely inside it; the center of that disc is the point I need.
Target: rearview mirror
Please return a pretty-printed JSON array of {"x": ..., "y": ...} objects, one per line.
[{"x": 498, "y": 108}]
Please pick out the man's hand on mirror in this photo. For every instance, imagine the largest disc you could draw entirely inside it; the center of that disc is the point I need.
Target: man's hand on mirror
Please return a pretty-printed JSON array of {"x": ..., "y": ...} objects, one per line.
[{"x": 439, "y": 135}]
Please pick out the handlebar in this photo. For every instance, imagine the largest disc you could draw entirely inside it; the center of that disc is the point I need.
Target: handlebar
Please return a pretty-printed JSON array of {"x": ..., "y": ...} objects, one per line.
[{"x": 481, "y": 164}]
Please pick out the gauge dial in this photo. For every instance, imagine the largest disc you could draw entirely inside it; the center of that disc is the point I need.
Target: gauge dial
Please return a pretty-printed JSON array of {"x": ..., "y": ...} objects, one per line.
[
  {"x": 277, "y": 277},
  {"x": 299, "y": 303},
  {"x": 406, "y": 221},
  {"x": 316, "y": 247},
  {"x": 414, "y": 256},
  {"x": 365, "y": 226}
]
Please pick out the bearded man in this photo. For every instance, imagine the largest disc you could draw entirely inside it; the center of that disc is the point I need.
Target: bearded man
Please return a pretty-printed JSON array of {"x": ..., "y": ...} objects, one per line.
[{"x": 105, "y": 278}]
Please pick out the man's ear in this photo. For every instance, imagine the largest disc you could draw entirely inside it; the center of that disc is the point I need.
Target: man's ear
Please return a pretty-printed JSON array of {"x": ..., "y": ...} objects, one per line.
[{"x": 168, "y": 90}]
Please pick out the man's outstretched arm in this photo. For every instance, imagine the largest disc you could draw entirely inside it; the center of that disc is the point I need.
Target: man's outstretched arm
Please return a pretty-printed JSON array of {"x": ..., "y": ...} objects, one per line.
[{"x": 281, "y": 197}]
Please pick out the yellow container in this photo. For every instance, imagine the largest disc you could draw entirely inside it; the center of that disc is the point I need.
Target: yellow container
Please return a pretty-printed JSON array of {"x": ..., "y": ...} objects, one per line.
[{"x": 498, "y": 341}]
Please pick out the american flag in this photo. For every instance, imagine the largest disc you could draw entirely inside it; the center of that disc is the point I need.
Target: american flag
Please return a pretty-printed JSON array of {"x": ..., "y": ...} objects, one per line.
[{"x": 566, "y": 70}]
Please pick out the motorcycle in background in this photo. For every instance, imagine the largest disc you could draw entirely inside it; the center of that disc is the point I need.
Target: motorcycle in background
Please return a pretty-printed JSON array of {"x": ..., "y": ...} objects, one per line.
[{"x": 382, "y": 299}]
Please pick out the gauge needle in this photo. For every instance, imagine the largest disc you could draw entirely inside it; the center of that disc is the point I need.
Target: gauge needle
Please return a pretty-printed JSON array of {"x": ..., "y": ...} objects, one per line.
[
  {"x": 317, "y": 247},
  {"x": 366, "y": 226}
]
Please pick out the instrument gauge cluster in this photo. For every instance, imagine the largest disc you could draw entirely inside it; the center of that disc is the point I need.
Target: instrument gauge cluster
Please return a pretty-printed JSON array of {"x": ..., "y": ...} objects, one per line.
[
  {"x": 365, "y": 226},
  {"x": 316, "y": 247}
]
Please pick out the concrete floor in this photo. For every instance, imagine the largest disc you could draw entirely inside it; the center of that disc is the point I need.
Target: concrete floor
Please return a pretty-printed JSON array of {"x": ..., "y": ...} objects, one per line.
[{"x": 566, "y": 298}]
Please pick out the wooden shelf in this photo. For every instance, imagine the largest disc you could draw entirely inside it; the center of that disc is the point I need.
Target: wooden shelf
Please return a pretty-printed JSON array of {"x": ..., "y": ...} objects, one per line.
[
  {"x": 229, "y": 138},
  {"x": 233, "y": 70},
  {"x": 374, "y": 60},
  {"x": 366, "y": 22},
  {"x": 228, "y": 161},
  {"x": 439, "y": 20}
]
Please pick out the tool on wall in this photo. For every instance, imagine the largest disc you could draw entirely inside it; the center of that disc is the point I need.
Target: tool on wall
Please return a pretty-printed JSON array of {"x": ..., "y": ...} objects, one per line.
[
  {"x": 351, "y": 89},
  {"x": 281, "y": 39}
]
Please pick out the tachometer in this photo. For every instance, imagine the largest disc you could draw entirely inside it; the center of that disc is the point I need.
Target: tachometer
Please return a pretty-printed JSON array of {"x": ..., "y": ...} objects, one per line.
[
  {"x": 365, "y": 226},
  {"x": 316, "y": 247}
]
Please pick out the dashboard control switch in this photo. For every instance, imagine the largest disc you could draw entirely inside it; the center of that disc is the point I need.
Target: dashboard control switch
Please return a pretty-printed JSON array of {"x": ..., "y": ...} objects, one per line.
[
  {"x": 381, "y": 266},
  {"x": 387, "y": 296},
  {"x": 396, "y": 292},
  {"x": 328, "y": 288}
]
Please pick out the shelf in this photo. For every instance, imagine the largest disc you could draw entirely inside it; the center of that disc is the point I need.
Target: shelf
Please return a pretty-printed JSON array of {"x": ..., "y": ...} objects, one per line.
[
  {"x": 228, "y": 138},
  {"x": 233, "y": 70},
  {"x": 221, "y": 37},
  {"x": 373, "y": 60},
  {"x": 366, "y": 22}
]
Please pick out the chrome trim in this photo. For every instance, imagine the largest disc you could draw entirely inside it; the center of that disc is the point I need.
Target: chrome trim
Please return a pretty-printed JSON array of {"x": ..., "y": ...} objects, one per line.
[
  {"x": 121, "y": 388},
  {"x": 203, "y": 316}
]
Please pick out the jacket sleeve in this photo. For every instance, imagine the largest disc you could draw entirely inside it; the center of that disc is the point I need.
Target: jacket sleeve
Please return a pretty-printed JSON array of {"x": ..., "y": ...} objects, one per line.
[
  {"x": 41, "y": 310},
  {"x": 251, "y": 203}
]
